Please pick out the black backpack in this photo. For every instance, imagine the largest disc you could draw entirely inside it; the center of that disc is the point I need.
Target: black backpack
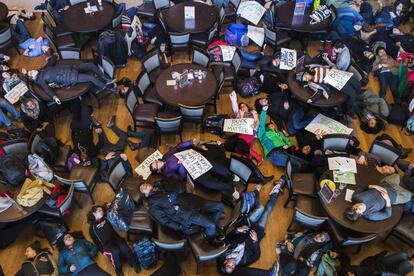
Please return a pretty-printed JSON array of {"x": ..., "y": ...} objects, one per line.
[
  {"x": 214, "y": 123},
  {"x": 12, "y": 169},
  {"x": 248, "y": 87},
  {"x": 398, "y": 115},
  {"x": 48, "y": 150}
]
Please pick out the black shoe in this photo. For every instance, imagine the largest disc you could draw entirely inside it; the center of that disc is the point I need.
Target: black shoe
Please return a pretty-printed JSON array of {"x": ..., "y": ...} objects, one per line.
[
  {"x": 133, "y": 146},
  {"x": 109, "y": 81},
  {"x": 113, "y": 90},
  {"x": 129, "y": 131},
  {"x": 119, "y": 272},
  {"x": 215, "y": 242},
  {"x": 124, "y": 81},
  {"x": 96, "y": 123},
  {"x": 220, "y": 235},
  {"x": 137, "y": 268},
  {"x": 405, "y": 152},
  {"x": 111, "y": 122}
]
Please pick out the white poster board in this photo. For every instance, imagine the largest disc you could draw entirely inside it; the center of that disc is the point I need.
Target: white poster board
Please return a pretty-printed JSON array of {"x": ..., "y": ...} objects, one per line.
[
  {"x": 256, "y": 34},
  {"x": 14, "y": 94},
  {"x": 193, "y": 162},
  {"x": 337, "y": 78},
  {"x": 189, "y": 13},
  {"x": 287, "y": 59},
  {"x": 242, "y": 126},
  {"x": 322, "y": 125},
  {"x": 342, "y": 164},
  {"x": 227, "y": 52},
  {"x": 144, "y": 168},
  {"x": 251, "y": 11}
]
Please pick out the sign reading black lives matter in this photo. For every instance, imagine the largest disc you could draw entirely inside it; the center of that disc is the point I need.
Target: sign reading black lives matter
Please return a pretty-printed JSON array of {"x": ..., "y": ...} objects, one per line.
[
  {"x": 193, "y": 162},
  {"x": 242, "y": 126},
  {"x": 287, "y": 59}
]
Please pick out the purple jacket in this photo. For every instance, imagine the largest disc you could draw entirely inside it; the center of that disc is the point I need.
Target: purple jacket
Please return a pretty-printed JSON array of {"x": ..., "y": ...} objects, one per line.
[{"x": 171, "y": 168}]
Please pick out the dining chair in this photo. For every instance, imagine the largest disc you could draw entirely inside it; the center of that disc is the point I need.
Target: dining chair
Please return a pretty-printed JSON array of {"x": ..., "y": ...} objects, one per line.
[
  {"x": 231, "y": 70},
  {"x": 70, "y": 53},
  {"x": 116, "y": 175},
  {"x": 60, "y": 210},
  {"x": 200, "y": 57},
  {"x": 147, "y": 90},
  {"x": 82, "y": 178},
  {"x": 74, "y": 2},
  {"x": 299, "y": 183},
  {"x": 231, "y": 9},
  {"x": 161, "y": 4},
  {"x": 6, "y": 37},
  {"x": 388, "y": 154},
  {"x": 141, "y": 222},
  {"x": 276, "y": 38},
  {"x": 168, "y": 126},
  {"x": 169, "y": 240},
  {"x": 239, "y": 167},
  {"x": 308, "y": 213},
  {"x": 152, "y": 64},
  {"x": 142, "y": 114},
  {"x": 179, "y": 41},
  {"x": 60, "y": 42},
  {"x": 332, "y": 143},
  {"x": 204, "y": 39},
  {"x": 147, "y": 9},
  {"x": 404, "y": 231},
  {"x": 193, "y": 114},
  {"x": 58, "y": 29},
  {"x": 18, "y": 147},
  {"x": 116, "y": 21}
]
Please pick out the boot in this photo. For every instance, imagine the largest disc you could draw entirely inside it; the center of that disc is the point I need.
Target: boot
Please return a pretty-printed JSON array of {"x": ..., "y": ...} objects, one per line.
[
  {"x": 137, "y": 268},
  {"x": 129, "y": 131},
  {"x": 111, "y": 122},
  {"x": 256, "y": 156},
  {"x": 119, "y": 272},
  {"x": 405, "y": 152},
  {"x": 257, "y": 177},
  {"x": 133, "y": 146}
]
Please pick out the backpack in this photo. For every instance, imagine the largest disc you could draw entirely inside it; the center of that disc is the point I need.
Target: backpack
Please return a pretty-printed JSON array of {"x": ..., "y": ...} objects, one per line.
[
  {"x": 398, "y": 115},
  {"x": 409, "y": 128},
  {"x": 214, "y": 123},
  {"x": 236, "y": 35},
  {"x": 48, "y": 150},
  {"x": 121, "y": 211},
  {"x": 51, "y": 229},
  {"x": 145, "y": 251},
  {"x": 12, "y": 170},
  {"x": 248, "y": 87}
]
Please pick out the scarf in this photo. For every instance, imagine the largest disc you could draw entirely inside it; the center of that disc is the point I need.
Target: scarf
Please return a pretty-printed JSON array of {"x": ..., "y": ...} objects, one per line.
[{"x": 32, "y": 112}]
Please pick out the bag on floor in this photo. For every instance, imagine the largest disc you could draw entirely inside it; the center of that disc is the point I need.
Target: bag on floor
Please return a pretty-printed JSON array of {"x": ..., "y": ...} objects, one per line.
[
  {"x": 398, "y": 115},
  {"x": 145, "y": 251},
  {"x": 39, "y": 169},
  {"x": 236, "y": 35},
  {"x": 248, "y": 87},
  {"x": 409, "y": 128},
  {"x": 51, "y": 229},
  {"x": 12, "y": 170},
  {"x": 48, "y": 150},
  {"x": 214, "y": 123},
  {"x": 121, "y": 211}
]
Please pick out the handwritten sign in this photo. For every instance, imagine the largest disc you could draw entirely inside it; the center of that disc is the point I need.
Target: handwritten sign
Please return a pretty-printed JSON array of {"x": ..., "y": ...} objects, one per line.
[
  {"x": 256, "y": 34},
  {"x": 242, "y": 126},
  {"x": 193, "y": 162},
  {"x": 14, "y": 94},
  {"x": 144, "y": 168},
  {"x": 322, "y": 125},
  {"x": 287, "y": 59},
  {"x": 251, "y": 11},
  {"x": 337, "y": 78},
  {"x": 227, "y": 52}
]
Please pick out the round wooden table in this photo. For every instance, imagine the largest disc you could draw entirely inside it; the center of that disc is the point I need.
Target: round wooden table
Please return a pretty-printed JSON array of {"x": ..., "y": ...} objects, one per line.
[
  {"x": 303, "y": 93},
  {"x": 192, "y": 95},
  {"x": 366, "y": 175},
  {"x": 286, "y": 20},
  {"x": 76, "y": 20},
  {"x": 4, "y": 11},
  {"x": 205, "y": 17},
  {"x": 65, "y": 93}
]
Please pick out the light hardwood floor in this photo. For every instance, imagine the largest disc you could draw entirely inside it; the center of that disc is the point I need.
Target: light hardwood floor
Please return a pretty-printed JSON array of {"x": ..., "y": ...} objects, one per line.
[{"x": 12, "y": 257}]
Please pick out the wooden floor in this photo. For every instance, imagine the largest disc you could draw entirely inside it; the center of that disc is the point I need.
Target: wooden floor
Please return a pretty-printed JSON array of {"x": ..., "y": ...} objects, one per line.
[{"x": 12, "y": 257}]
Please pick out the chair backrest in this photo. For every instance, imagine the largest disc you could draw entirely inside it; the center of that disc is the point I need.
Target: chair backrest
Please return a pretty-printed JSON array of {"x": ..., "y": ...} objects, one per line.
[
  {"x": 49, "y": 32},
  {"x": 116, "y": 174},
  {"x": 235, "y": 3},
  {"x": 116, "y": 21},
  {"x": 200, "y": 57},
  {"x": 190, "y": 187},
  {"x": 270, "y": 35},
  {"x": 34, "y": 139},
  {"x": 236, "y": 61},
  {"x": 17, "y": 146},
  {"x": 131, "y": 101},
  {"x": 74, "y": 2},
  {"x": 349, "y": 241},
  {"x": 70, "y": 53},
  {"x": 388, "y": 154},
  {"x": 166, "y": 125},
  {"x": 212, "y": 32},
  {"x": 161, "y": 4},
  {"x": 192, "y": 112},
  {"x": 151, "y": 61},
  {"x": 162, "y": 20},
  {"x": 46, "y": 20},
  {"x": 307, "y": 219},
  {"x": 78, "y": 184},
  {"x": 143, "y": 82},
  {"x": 108, "y": 66},
  {"x": 288, "y": 169},
  {"x": 238, "y": 167},
  {"x": 5, "y": 35},
  {"x": 222, "y": 15},
  {"x": 67, "y": 202},
  {"x": 179, "y": 39},
  {"x": 336, "y": 142}
]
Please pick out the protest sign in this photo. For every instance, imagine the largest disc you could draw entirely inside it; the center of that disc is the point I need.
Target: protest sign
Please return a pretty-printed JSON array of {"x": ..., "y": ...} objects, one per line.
[
  {"x": 337, "y": 78},
  {"x": 144, "y": 168},
  {"x": 251, "y": 11},
  {"x": 256, "y": 34},
  {"x": 227, "y": 52},
  {"x": 322, "y": 125},
  {"x": 14, "y": 94},
  {"x": 287, "y": 59},
  {"x": 193, "y": 162},
  {"x": 242, "y": 126}
]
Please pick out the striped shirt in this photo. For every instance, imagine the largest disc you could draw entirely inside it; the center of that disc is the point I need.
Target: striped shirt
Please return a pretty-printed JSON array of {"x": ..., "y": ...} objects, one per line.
[{"x": 320, "y": 73}]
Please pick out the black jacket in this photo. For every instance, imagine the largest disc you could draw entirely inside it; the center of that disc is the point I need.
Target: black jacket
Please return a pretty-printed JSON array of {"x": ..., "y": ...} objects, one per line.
[
  {"x": 42, "y": 264},
  {"x": 102, "y": 233},
  {"x": 44, "y": 116},
  {"x": 58, "y": 75}
]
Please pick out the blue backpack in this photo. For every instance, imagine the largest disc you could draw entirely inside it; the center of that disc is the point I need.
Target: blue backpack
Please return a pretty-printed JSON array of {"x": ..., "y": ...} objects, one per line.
[
  {"x": 145, "y": 251},
  {"x": 236, "y": 35},
  {"x": 410, "y": 125}
]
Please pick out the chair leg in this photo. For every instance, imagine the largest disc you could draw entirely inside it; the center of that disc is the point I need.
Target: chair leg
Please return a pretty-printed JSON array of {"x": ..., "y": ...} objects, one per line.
[
  {"x": 287, "y": 201},
  {"x": 91, "y": 197},
  {"x": 389, "y": 234},
  {"x": 412, "y": 257},
  {"x": 358, "y": 248}
]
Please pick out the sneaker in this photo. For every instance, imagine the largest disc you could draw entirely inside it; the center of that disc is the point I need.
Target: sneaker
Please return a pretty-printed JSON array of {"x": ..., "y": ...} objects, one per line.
[
  {"x": 275, "y": 269},
  {"x": 236, "y": 195},
  {"x": 278, "y": 188},
  {"x": 236, "y": 178},
  {"x": 109, "y": 81}
]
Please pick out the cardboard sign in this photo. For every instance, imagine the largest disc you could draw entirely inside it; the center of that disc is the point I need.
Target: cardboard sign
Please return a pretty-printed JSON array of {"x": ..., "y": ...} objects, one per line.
[
  {"x": 14, "y": 94},
  {"x": 227, "y": 52},
  {"x": 287, "y": 59},
  {"x": 193, "y": 162},
  {"x": 337, "y": 78},
  {"x": 144, "y": 168},
  {"x": 251, "y": 11},
  {"x": 322, "y": 125},
  {"x": 242, "y": 126},
  {"x": 256, "y": 34}
]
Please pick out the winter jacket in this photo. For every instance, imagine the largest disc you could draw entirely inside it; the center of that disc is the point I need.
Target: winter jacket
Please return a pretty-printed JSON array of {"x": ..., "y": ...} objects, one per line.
[
  {"x": 269, "y": 138},
  {"x": 44, "y": 116},
  {"x": 171, "y": 168},
  {"x": 372, "y": 105},
  {"x": 58, "y": 75},
  {"x": 42, "y": 264},
  {"x": 343, "y": 59},
  {"x": 81, "y": 255},
  {"x": 113, "y": 45},
  {"x": 389, "y": 61},
  {"x": 102, "y": 233}
]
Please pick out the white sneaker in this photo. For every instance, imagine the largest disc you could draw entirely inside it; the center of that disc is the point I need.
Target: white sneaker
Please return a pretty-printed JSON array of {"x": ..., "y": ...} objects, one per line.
[
  {"x": 236, "y": 178},
  {"x": 275, "y": 269},
  {"x": 236, "y": 195},
  {"x": 276, "y": 189}
]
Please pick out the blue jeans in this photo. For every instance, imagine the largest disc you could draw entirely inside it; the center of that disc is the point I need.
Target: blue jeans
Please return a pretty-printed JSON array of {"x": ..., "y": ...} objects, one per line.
[
  {"x": 387, "y": 79},
  {"x": 297, "y": 121},
  {"x": 208, "y": 217},
  {"x": 7, "y": 107},
  {"x": 148, "y": 139},
  {"x": 291, "y": 266},
  {"x": 278, "y": 157},
  {"x": 20, "y": 32}
]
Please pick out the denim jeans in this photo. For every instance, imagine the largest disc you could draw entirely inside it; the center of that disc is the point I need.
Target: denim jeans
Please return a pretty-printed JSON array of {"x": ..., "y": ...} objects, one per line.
[
  {"x": 208, "y": 217},
  {"x": 148, "y": 139},
  {"x": 20, "y": 32},
  {"x": 397, "y": 263},
  {"x": 107, "y": 146},
  {"x": 387, "y": 79},
  {"x": 5, "y": 107},
  {"x": 278, "y": 157},
  {"x": 297, "y": 121},
  {"x": 291, "y": 266}
]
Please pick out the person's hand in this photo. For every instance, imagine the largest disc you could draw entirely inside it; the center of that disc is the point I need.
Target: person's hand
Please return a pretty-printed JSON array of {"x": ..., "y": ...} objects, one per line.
[
  {"x": 39, "y": 129},
  {"x": 290, "y": 246},
  {"x": 39, "y": 39},
  {"x": 283, "y": 86},
  {"x": 195, "y": 141},
  {"x": 219, "y": 143},
  {"x": 45, "y": 124},
  {"x": 361, "y": 160},
  {"x": 285, "y": 146},
  {"x": 98, "y": 130},
  {"x": 285, "y": 133},
  {"x": 6, "y": 58},
  {"x": 265, "y": 108},
  {"x": 72, "y": 268},
  {"x": 243, "y": 229},
  {"x": 66, "y": 7},
  {"x": 253, "y": 235},
  {"x": 123, "y": 156},
  {"x": 392, "y": 14},
  {"x": 110, "y": 155},
  {"x": 179, "y": 162},
  {"x": 387, "y": 199},
  {"x": 319, "y": 136},
  {"x": 411, "y": 166},
  {"x": 301, "y": 259}
]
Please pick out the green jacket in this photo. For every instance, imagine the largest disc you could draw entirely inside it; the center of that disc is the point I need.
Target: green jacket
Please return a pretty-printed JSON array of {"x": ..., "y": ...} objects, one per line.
[
  {"x": 328, "y": 266},
  {"x": 269, "y": 138}
]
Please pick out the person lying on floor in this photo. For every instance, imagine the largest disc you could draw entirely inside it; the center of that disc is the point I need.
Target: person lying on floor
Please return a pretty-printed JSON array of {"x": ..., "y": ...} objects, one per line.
[
  {"x": 181, "y": 212},
  {"x": 245, "y": 239},
  {"x": 372, "y": 111},
  {"x": 36, "y": 116},
  {"x": 39, "y": 261},
  {"x": 65, "y": 75}
]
